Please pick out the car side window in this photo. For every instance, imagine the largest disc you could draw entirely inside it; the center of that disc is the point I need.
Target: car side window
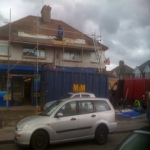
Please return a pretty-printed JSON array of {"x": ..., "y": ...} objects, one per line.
[
  {"x": 85, "y": 107},
  {"x": 101, "y": 106},
  {"x": 68, "y": 109}
]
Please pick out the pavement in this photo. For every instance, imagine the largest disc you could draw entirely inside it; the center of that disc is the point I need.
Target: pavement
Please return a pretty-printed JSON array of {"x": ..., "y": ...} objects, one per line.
[{"x": 10, "y": 116}]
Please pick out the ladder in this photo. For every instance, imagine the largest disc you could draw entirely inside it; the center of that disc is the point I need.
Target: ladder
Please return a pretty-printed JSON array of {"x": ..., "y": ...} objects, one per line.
[{"x": 98, "y": 53}]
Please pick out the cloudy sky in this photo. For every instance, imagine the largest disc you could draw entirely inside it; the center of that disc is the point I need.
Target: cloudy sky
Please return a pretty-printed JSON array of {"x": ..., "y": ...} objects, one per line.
[{"x": 123, "y": 24}]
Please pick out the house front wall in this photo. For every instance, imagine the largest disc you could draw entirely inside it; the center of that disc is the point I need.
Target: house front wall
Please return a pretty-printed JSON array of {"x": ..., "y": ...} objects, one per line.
[
  {"x": 22, "y": 70},
  {"x": 147, "y": 72},
  {"x": 137, "y": 73},
  {"x": 85, "y": 60}
]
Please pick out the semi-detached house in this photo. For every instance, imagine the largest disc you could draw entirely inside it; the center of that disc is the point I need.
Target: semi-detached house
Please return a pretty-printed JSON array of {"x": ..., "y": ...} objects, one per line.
[{"x": 31, "y": 42}]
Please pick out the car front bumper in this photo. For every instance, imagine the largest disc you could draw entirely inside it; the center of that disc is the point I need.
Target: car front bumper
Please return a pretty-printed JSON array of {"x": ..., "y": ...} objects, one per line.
[{"x": 22, "y": 137}]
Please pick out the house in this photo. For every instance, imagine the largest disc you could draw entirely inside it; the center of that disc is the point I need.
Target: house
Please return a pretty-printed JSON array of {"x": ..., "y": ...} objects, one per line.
[
  {"x": 30, "y": 42},
  {"x": 142, "y": 71},
  {"x": 111, "y": 79},
  {"x": 122, "y": 71}
]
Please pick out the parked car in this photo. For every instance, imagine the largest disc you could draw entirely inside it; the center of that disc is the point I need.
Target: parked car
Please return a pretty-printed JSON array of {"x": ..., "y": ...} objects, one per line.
[
  {"x": 71, "y": 95},
  {"x": 68, "y": 120},
  {"x": 138, "y": 140}
]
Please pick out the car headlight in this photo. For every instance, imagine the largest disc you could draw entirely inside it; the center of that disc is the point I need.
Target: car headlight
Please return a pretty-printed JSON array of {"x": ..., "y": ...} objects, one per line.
[{"x": 22, "y": 127}]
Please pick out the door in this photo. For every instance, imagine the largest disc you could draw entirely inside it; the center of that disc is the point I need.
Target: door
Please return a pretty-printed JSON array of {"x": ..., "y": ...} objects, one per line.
[
  {"x": 27, "y": 90},
  {"x": 17, "y": 91},
  {"x": 66, "y": 127},
  {"x": 87, "y": 118}
]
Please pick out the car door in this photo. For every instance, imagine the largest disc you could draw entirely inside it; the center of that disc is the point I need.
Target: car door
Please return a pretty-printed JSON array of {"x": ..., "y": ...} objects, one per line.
[
  {"x": 87, "y": 118},
  {"x": 66, "y": 127}
]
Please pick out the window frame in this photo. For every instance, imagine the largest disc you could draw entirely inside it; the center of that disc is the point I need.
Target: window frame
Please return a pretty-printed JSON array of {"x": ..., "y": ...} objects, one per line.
[
  {"x": 73, "y": 55},
  {"x": 36, "y": 53},
  {"x": 4, "y": 47}
]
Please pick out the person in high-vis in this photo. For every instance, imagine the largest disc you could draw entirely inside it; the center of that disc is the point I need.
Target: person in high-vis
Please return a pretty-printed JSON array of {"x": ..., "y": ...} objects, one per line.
[
  {"x": 137, "y": 103},
  {"x": 137, "y": 106}
]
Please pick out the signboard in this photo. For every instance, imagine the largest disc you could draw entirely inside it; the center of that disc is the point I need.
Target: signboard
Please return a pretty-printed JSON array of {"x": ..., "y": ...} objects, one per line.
[{"x": 79, "y": 87}]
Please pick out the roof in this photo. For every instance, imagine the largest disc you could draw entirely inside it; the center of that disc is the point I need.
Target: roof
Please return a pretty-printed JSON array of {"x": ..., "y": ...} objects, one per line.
[
  {"x": 29, "y": 25},
  {"x": 123, "y": 70},
  {"x": 110, "y": 75},
  {"x": 142, "y": 67}
]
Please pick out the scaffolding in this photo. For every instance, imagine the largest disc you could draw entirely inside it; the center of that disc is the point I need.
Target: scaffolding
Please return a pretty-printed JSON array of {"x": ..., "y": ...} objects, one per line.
[{"x": 38, "y": 35}]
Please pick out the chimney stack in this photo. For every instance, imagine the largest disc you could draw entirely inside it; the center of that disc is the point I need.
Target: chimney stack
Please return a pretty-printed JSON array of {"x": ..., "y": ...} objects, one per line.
[
  {"x": 121, "y": 63},
  {"x": 46, "y": 14}
]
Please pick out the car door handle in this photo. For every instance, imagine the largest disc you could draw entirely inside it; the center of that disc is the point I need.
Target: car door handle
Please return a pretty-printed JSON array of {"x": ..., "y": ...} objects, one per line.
[
  {"x": 93, "y": 115},
  {"x": 73, "y": 118}
]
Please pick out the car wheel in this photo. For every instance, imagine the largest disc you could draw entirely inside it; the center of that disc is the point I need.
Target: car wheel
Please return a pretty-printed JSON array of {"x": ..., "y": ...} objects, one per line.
[
  {"x": 39, "y": 140},
  {"x": 101, "y": 135}
]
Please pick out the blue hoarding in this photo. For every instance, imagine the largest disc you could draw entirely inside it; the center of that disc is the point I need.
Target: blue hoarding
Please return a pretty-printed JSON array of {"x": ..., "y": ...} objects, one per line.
[{"x": 56, "y": 83}]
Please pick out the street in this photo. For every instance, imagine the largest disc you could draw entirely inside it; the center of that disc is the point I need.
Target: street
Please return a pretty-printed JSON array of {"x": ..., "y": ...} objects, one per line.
[{"x": 113, "y": 140}]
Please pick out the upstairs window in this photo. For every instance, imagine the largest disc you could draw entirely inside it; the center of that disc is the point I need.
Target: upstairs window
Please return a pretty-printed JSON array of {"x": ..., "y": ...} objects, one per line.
[
  {"x": 30, "y": 52},
  {"x": 93, "y": 57},
  {"x": 3, "y": 48},
  {"x": 72, "y": 55}
]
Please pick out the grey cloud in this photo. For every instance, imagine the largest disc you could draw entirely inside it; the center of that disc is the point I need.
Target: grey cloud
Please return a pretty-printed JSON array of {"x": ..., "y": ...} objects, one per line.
[
  {"x": 124, "y": 24},
  {"x": 2, "y": 20}
]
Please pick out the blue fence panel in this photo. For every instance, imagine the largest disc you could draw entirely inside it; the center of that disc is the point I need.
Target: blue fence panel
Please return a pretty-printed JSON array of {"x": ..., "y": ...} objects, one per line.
[
  {"x": 59, "y": 82},
  {"x": 68, "y": 76}
]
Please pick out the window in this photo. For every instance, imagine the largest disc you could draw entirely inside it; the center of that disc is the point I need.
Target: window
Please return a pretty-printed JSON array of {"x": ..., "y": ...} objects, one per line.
[
  {"x": 73, "y": 55},
  {"x": 93, "y": 57},
  {"x": 68, "y": 109},
  {"x": 29, "y": 52},
  {"x": 101, "y": 106},
  {"x": 85, "y": 107},
  {"x": 4, "y": 48}
]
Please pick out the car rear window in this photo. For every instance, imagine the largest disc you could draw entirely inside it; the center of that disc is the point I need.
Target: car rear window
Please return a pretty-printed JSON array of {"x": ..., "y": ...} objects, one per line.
[{"x": 101, "y": 106}]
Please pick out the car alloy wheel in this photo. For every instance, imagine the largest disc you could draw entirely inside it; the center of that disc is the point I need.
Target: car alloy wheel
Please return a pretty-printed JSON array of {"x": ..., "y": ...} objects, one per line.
[
  {"x": 39, "y": 140},
  {"x": 101, "y": 134}
]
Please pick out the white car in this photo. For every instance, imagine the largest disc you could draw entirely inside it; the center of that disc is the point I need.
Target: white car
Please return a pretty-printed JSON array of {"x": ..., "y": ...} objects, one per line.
[
  {"x": 71, "y": 95},
  {"x": 68, "y": 120}
]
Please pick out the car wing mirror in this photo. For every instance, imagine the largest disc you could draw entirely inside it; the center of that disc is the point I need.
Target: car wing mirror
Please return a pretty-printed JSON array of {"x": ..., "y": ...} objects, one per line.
[{"x": 59, "y": 115}]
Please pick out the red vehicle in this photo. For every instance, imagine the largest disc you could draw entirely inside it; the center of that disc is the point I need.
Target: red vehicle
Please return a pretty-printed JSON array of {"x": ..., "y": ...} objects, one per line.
[{"x": 125, "y": 91}]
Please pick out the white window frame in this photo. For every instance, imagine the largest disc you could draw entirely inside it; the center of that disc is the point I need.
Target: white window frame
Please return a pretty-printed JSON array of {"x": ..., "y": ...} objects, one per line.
[
  {"x": 3, "y": 48},
  {"x": 72, "y": 55},
  {"x": 35, "y": 53},
  {"x": 93, "y": 57}
]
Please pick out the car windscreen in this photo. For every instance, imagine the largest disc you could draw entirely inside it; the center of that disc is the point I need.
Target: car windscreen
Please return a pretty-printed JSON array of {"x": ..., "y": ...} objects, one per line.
[
  {"x": 51, "y": 109},
  {"x": 135, "y": 141},
  {"x": 68, "y": 95}
]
